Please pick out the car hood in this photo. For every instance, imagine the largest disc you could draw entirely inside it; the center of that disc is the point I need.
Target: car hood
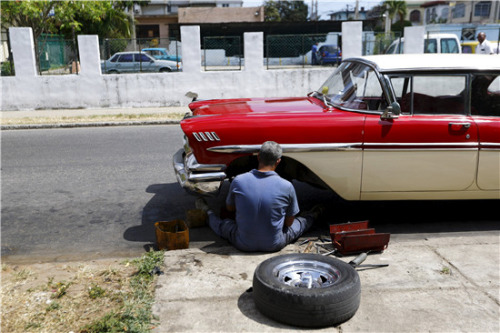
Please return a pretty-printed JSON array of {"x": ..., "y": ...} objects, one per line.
[{"x": 257, "y": 105}]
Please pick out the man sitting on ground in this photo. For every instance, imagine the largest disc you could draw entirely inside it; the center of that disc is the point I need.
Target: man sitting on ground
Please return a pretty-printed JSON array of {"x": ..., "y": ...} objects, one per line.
[{"x": 265, "y": 207}]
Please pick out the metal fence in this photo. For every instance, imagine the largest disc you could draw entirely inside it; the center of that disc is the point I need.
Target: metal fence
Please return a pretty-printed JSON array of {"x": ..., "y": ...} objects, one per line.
[
  {"x": 56, "y": 55},
  {"x": 155, "y": 55},
  {"x": 378, "y": 43},
  {"x": 282, "y": 51},
  {"x": 222, "y": 53}
]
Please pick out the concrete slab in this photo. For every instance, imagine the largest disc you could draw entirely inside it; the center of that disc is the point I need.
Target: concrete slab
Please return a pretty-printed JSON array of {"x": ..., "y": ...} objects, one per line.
[{"x": 435, "y": 283}]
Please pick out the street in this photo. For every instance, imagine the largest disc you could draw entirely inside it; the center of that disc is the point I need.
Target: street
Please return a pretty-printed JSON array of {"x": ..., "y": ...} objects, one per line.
[
  {"x": 83, "y": 193},
  {"x": 87, "y": 192}
]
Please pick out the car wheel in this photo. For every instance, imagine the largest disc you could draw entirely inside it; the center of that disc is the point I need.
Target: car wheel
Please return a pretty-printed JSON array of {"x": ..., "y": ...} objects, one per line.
[
  {"x": 307, "y": 290},
  {"x": 112, "y": 72},
  {"x": 165, "y": 70}
]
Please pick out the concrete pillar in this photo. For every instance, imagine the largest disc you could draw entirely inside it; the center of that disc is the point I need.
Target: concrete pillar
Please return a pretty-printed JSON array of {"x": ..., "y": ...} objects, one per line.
[
  {"x": 254, "y": 51},
  {"x": 23, "y": 51},
  {"x": 88, "y": 48},
  {"x": 352, "y": 39},
  {"x": 414, "y": 39},
  {"x": 191, "y": 49}
]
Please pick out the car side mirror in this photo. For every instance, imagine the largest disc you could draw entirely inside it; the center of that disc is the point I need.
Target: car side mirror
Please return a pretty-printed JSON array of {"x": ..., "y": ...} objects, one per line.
[{"x": 392, "y": 112}]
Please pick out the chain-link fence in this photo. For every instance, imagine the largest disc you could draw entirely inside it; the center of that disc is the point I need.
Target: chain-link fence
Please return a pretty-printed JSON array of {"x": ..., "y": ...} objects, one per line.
[
  {"x": 140, "y": 55},
  {"x": 6, "y": 60},
  {"x": 288, "y": 51},
  {"x": 222, "y": 53},
  {"x": 56, "y": 55},
  {"x": 379, "y": 43}
]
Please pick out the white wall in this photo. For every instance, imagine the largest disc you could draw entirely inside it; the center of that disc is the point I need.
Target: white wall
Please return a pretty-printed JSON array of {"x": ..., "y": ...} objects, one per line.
[{"x": 27, "y": 90}]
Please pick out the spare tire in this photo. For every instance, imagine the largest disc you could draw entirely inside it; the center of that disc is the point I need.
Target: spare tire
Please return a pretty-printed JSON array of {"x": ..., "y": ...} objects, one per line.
[{"x": 307, "y": 290}]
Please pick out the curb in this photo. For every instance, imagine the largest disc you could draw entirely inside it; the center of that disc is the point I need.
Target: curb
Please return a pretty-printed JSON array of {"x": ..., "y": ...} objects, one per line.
[{"x": 97, "y": 124}]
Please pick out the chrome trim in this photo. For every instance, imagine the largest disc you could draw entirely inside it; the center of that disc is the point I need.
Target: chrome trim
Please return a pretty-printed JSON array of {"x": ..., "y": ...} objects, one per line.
[
  {"x": 288, "y": 148},
  {"x": 489, "y": 146},
  {"x": 206, "y": 136},
  {"x": 192, "y": 165},
  {"x": 424, "y": 146},
  {"x": 204, "y": 183}
]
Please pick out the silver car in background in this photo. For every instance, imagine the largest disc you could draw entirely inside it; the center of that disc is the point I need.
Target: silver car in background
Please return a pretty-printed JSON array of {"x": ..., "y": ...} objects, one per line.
[{"x": 133, "y": 62}]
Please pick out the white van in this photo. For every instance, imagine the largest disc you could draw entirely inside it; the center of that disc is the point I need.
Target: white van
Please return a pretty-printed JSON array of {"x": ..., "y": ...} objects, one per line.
[{"x": 433, "y": 43}]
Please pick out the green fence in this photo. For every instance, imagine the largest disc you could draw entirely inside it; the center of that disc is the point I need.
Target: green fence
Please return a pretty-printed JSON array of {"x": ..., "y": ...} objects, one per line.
[{"x": 56, "y": 55}]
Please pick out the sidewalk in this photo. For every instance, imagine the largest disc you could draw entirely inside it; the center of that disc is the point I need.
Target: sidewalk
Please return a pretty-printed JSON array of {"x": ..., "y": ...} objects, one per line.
[
  {"x": 91, "y": 117},
  {"x": 435, "y": 283}
]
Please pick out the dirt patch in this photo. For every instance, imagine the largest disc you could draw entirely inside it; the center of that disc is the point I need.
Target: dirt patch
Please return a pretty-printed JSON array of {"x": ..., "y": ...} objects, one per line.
[{"x": 62, "y": 297}]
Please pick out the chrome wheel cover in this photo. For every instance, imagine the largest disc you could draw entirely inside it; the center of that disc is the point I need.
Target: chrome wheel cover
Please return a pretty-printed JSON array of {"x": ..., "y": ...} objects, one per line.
[{"x": 306, "y": 274}]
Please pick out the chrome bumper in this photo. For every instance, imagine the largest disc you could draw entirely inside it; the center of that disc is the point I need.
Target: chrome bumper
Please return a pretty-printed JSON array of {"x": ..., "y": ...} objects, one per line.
[{"x": 204, "y": 179}]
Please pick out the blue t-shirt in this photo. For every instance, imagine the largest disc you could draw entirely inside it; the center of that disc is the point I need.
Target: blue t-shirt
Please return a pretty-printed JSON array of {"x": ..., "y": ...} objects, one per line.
[{"x": 262, "y": 201}]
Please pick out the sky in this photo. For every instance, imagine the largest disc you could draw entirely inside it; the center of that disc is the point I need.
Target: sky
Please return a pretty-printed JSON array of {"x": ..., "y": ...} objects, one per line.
[{"x": 325, "y": 6}]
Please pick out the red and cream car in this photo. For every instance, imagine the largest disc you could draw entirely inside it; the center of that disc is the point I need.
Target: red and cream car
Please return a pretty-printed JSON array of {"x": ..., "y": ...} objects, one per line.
[{"x": 391, "y": 127}]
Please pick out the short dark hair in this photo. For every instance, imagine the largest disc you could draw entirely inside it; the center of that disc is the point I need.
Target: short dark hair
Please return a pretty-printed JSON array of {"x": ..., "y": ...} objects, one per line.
[{"x": 270, "y": 153}]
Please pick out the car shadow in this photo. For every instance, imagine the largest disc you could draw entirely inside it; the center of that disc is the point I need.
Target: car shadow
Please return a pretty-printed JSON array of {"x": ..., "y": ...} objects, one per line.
[{"x": 170, "y": 202}]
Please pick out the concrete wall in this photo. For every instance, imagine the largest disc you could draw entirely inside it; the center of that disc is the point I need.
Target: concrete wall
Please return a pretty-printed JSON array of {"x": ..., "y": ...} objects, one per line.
[{"x": 91, "y": 89}]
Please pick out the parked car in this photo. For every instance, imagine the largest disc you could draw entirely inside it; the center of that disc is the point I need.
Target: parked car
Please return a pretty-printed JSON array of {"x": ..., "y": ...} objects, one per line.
[
  {"x": 470, "y": 47},
  {"x": 132, "y": 62},
  {"x": 387, "y": 127},
  {"x": 329, "y": 54},
  {"x": 433, "y": 43},
  {"x": 161, "y": 53}
]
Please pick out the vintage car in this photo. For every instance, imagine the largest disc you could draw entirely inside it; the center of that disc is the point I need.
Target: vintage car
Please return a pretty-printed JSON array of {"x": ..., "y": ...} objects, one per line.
[{"x": 388, "y": 127}]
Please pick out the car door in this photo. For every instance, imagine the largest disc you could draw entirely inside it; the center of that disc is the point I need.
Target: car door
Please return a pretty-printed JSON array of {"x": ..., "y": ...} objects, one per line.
[
  {"x": 125, "y": 63},
  {"x": 432, "y": 146},
  {"x": 144, "y": 63},
  {"x": 485, "y": 109}
]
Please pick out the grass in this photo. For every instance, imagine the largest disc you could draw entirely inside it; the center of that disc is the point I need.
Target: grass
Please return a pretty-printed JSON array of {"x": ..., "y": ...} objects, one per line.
[
  {"x": 98, "y": 296},
  {"x": 92, "y": 118},
  {"x": 135, "y": 315}
]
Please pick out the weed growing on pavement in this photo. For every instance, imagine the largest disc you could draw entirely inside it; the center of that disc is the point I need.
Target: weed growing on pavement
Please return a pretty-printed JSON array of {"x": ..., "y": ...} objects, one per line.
[
  {"x": 136, "y": 314},
  {"x": 107, "y": 295}
]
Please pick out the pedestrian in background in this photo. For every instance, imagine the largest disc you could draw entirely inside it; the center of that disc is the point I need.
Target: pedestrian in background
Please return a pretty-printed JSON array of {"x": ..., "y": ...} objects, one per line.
[
  {"x": 314, "y": 54},
  {"x": 484, "y": 46}
]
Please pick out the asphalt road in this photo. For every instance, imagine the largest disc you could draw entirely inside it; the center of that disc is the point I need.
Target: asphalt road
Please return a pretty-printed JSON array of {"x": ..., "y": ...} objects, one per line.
[
  {"x": 87, "y": 192},
  {"x": 83, "y": 193}
]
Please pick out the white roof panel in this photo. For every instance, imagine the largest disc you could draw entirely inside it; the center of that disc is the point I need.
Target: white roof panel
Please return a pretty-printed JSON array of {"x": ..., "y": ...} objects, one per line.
[{"x": 411, "y": 62}]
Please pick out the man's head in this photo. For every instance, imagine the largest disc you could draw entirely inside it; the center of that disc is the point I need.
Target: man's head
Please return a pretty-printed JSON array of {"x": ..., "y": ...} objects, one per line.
[
  {"x": 481, "y": 37},
  {"x": 270, "y": 154}
]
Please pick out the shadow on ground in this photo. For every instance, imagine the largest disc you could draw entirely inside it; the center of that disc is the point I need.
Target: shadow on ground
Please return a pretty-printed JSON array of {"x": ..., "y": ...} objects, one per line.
[{"x": 396, "y": 217}]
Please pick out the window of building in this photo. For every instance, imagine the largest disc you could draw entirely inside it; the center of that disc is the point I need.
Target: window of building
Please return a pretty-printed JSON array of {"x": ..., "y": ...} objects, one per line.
[
  {"x": 147, "y": 31},
  {"x": 482, "y": 9},
  {"x": 415, "y": 16},
  {"x": 459, "y": 10}
]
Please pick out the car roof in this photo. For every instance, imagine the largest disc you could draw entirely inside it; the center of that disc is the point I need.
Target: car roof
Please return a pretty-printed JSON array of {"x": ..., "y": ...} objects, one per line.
[
  {"x": 128, "y": 52},
  {"x": 440, "y": 61}
]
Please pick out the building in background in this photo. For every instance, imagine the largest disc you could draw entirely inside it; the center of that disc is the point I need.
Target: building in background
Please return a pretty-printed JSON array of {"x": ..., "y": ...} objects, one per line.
[{"x": 153, "y": 20}]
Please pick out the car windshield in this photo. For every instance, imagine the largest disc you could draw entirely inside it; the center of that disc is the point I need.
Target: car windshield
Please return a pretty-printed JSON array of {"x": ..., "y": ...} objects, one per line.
[{"x": 353, "y": 86}]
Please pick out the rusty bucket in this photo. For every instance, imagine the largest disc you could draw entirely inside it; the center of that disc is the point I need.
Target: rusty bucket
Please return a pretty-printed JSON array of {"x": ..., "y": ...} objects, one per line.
[{"x": 172, "y": 235}]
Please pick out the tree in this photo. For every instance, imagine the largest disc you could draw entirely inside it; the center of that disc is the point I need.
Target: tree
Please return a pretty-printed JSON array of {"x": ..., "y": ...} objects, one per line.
[
  {"x": 396, "y": 8},
  {"x": 105, "y": 18},
  {"x": 285, "y": 11}
]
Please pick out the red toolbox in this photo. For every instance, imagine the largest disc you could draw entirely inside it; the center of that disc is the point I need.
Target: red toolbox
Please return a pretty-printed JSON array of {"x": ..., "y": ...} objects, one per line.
[{"x": 356, "y": 237}]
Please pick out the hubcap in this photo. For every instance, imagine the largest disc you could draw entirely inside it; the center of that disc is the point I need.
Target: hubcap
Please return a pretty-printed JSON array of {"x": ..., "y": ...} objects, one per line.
[{"x": 306, "y": 274}]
